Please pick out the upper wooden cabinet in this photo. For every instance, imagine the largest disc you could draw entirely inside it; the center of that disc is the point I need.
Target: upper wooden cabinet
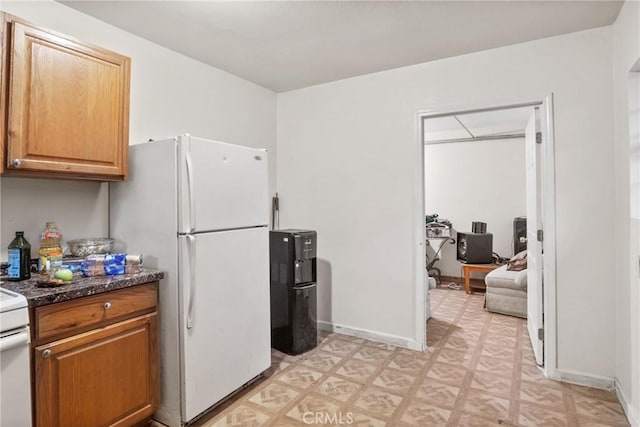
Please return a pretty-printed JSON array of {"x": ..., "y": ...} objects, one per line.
[{"x": 67, "y": 106}]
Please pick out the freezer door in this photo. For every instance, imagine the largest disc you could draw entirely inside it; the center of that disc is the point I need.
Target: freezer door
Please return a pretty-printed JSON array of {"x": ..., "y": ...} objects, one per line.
[
  {"x": 225, "y": 314},
  {"x": 222, "y": 186}
]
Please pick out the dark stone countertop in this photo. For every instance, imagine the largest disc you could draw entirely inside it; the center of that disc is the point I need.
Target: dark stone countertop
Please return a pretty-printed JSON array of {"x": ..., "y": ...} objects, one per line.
[{"x": 79, "y": 287}]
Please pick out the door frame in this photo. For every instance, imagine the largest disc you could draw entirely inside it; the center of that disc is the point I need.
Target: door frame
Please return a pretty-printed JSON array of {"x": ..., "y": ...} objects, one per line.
[{"x": 548, "y": 217}]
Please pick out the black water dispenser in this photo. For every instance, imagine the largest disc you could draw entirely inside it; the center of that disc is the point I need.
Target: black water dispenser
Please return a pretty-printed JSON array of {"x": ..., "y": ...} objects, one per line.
[{"x": 294, "y": 325}]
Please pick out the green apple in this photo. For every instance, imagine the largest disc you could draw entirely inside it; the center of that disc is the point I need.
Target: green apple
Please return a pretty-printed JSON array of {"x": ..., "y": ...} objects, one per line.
[{"x": 64, "y": 274}]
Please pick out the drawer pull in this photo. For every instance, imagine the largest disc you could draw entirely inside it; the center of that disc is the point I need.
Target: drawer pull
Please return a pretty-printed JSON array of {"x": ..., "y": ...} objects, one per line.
[
  {"x": 107, "y": 305},
  {"x": 46, "y": 353},
  {"x": 16, "y": 163}
]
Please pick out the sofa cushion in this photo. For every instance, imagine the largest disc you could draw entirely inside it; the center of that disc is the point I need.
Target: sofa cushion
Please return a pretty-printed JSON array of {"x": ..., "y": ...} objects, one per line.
[
  {"x": 507, "y": 301},
  {"x": 503, "y": 278}
]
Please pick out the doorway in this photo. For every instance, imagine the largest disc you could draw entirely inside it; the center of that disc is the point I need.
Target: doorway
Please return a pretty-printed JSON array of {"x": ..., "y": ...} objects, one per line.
[{"x": 502, "y": 124}]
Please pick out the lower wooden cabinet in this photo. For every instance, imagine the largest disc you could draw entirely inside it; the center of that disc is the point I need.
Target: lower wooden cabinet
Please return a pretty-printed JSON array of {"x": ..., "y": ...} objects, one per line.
[{"x": 106, "y": 376}]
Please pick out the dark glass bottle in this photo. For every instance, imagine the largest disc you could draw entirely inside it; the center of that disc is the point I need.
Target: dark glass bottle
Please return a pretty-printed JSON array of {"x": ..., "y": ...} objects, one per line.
[{"x": 19, "y": 252}]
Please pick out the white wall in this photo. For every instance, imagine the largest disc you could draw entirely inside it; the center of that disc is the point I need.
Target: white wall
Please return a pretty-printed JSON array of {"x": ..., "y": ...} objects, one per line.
[
  {"x": 79, "y": 208},
  {"x": 626, "y": 51},
  {"x": 476, "y": 181},
  {"x": 170, "y": 94},
  {"x": 347, "y": 167}
]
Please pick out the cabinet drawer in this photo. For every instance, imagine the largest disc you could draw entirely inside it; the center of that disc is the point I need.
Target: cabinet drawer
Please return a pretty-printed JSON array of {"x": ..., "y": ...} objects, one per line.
[{"x": 75, "y": 316}]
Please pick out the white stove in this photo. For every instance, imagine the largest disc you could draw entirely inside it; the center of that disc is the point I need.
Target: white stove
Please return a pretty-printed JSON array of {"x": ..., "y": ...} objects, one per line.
[
  {"x": 15, "y": 381},
  {"x": 13, "y": 310}
]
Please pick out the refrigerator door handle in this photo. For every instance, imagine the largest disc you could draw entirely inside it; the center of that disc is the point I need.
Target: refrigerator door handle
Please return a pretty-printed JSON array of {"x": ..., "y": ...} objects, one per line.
[
  {"x": 191, "y": 250},
  {"x": 192, "y": 200}
]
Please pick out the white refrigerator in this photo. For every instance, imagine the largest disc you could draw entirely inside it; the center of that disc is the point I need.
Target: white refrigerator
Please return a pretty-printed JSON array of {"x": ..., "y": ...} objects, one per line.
[{"x": 198, "y": 211}]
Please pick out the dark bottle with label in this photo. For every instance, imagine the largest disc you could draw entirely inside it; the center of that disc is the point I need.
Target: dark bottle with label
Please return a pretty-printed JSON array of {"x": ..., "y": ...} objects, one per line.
[{"x": 19, "y": 252}]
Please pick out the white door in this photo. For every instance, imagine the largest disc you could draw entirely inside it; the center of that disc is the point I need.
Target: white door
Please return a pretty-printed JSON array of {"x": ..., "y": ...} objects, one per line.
[
  {"x": 533, "y": 143},
  {"x": 222, "y": 186},
  {"x": 225, "y": 322}
]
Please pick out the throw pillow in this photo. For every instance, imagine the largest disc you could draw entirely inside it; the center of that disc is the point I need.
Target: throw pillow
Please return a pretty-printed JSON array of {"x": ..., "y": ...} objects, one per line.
[{"x": 518, "y": 262}]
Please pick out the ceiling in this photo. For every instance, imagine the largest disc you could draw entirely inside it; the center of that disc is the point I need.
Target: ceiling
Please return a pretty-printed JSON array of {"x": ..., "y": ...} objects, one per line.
[
  {"x": 477, "y": 126},
  {"x": 285, "y": 45}
]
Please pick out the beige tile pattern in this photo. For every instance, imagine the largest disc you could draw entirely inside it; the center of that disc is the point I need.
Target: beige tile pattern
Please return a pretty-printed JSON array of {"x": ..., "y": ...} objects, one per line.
[
  {"x": 478, "y": 371},
  {"x": 274, "y": 396},
  {"x": 338, "y": 388},
  {"x": 378, "y": 402},
  {"x": 313, "y": 404},
  {"x": 419, "y": 413}
]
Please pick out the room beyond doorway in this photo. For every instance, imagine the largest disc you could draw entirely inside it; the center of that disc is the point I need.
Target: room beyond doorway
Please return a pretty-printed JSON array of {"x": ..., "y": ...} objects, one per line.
[
  {"x": 503, "y": 124},
  {"x": 474, "y": 169}
]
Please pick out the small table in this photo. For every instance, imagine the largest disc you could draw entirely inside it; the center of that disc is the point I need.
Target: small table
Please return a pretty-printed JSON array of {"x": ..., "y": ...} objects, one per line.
[{"x": 468, "y": 268}]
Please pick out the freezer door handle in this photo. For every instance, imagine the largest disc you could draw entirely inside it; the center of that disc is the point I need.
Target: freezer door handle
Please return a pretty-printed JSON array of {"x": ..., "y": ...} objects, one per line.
[
  {"x": 191, "y": 250},
  {"x": 192, "y": 200},
  {"x": 310, "y": 285}
]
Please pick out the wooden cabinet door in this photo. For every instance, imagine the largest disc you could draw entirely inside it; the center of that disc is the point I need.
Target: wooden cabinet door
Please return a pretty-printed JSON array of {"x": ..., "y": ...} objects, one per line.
[
  {"x": 105, "y": 377},
  {"x": 68, "y": 106}
]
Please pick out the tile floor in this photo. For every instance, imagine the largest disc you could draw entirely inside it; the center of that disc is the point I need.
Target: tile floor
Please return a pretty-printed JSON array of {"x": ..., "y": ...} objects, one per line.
[{"x": 478, "y": 371}]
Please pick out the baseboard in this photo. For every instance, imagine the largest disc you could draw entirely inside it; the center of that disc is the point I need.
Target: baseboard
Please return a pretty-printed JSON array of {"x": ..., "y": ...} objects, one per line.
[
  {"x": 475, "y": 283},
  {"x": 580, "y": 378},
  {"x": 454, "y": 279},
  {"x": 369, "y": 335},
  {"x": 632, "y": 414}
]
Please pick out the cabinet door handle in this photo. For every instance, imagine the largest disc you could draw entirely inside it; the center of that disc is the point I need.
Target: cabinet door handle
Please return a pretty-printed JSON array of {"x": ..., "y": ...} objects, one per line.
[
  {"x": 107, "y": 305},
  {"x": 46, "y": 353},
  {"x": 16, "y": 163}
]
